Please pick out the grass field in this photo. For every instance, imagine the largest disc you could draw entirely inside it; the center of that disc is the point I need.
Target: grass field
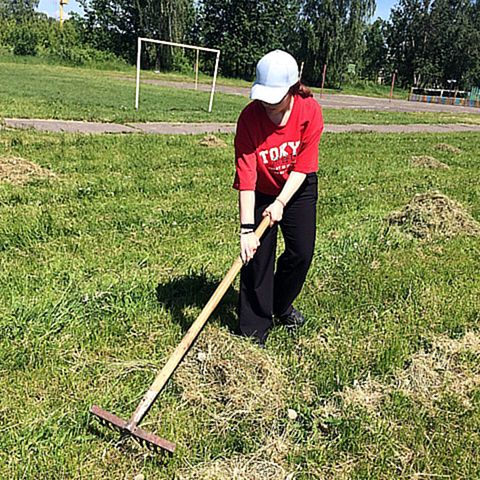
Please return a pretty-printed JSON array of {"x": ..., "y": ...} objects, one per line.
[
  {"x": 105, "y": 264},
  {"x": 35, "y": 90},
  {"x": 112, "y": 69}
]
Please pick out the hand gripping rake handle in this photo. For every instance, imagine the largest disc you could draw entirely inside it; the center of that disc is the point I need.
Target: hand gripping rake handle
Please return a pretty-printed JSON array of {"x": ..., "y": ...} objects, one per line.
[{"x": 177, "y": 356}]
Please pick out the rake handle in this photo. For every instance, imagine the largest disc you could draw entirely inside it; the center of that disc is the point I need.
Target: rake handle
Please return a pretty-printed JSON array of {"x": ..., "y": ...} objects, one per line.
[{"x": 192, "y": 333}]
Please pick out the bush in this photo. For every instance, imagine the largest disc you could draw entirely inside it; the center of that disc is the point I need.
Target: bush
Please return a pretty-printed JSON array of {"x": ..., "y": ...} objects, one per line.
[
  {"x": 43, "y": 37},
  {"x": 81, "y": 56},
  {"x": 181, "y": 63},
  {"x": 24, "y": 39},
  {"x": 6, "y": 27}
]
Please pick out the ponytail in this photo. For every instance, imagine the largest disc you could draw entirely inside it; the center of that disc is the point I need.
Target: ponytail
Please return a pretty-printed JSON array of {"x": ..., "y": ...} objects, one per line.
[{"x": 300, "y": 89}]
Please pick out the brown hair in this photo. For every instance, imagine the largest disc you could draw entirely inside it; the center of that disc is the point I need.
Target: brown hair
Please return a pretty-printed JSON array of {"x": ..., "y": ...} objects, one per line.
[{"x": 300, "y": 89}]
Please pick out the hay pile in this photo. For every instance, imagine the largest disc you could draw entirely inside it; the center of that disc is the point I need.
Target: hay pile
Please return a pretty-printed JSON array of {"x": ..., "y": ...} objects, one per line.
[
  {"x": 212, "y": 141},
  {"x": 430, "y": 376},
  {"x": 18, "y": 171},
  {"x": 233, "y": 380},
  {"x": 448, "y": 148},
  {"x": 428, "y": 162},
  {"x": 434, "y": 214},
  {"x": 266, "y": 464},
  {"x": 446, "y": 370},
  {"x": 231, "y": 375}
]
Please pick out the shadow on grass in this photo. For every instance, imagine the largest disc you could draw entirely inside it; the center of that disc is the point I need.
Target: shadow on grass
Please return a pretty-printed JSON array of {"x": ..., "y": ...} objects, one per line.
[{"x": 195, "y": 290}]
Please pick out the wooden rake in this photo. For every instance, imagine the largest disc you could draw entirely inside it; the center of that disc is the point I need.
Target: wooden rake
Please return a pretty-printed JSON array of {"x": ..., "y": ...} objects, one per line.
[{"x": 130, "y": 427}]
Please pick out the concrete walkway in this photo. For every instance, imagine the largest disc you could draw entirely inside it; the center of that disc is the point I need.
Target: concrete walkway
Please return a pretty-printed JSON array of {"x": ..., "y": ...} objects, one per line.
[{"x": 73, "y": 126}]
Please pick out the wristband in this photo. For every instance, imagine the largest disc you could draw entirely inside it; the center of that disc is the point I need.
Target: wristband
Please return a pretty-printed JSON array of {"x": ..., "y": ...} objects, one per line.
[
  {"x": 281, "y": 202},
  {"x": 248, "y": 225},
  {"x": 247, "y": 232}
]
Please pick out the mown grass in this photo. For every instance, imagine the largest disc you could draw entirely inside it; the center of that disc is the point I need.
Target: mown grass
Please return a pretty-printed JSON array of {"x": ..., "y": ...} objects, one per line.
[
  {"x": 52, "y": 91},
  {"x": 111, "y": 68},
  {"x": 371, "y": 117},
  {"x": 38, "y": 90},
  {"x": 367, "y": 89},
  {"x": 84, "y": 256}
]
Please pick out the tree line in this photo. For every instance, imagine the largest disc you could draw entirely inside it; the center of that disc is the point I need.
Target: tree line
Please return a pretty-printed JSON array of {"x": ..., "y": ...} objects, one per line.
[{"x": 426, "y": 42}]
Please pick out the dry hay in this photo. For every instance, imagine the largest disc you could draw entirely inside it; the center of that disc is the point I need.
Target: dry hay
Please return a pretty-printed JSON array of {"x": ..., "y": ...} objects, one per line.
[
  {"x": 18, "y": 171},
  {"x": 448, "y": 148},
  {"x": 428, "y": 162},
  {"x": 265, "y": 464},
  {"x": 343, "y": 469},
  {"x": 233, "y": 377},
  {"x": 430, "y": 375},
  {"x": 234, "y": 380},
  {"x": 368, "y": 394},
  {"x": 212, "y": 141},
  {"x": 434, "y": 214}
]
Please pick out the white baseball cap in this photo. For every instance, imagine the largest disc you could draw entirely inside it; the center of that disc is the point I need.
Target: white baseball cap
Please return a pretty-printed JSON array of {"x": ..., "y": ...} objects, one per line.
[{"x": 277, "y": 71}]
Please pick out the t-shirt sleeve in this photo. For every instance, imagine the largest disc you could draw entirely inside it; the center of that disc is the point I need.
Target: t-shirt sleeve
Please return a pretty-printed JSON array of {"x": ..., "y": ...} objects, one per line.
[
  {"x": 245, "y": 158},
  {"x": 307, "y": 158}
]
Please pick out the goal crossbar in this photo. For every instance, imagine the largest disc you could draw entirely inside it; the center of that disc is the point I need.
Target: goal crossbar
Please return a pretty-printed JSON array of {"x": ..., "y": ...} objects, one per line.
[{"x": 182, "y": 45}]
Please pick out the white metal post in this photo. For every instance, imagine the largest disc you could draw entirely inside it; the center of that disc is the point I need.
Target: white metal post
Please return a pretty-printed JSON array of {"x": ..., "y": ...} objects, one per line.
[
  {"x": 139, "y": 54},
  {"x": 214, "y": 81},
  {"x": 196, "y": 71}
]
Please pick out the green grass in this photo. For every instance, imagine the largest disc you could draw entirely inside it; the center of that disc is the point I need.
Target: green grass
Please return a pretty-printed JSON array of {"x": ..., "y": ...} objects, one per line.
[
  {"x": 81, "y": 257},
  {"x": 47, "y": 91},
  {"x": 370, "y": 117},
  {"x": 368, "y": 89},
  {"x": 37, "y": 90}
]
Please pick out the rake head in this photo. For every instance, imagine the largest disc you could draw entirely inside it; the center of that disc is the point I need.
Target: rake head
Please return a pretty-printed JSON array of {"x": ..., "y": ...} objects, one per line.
[{"x": 149, "y": 440}]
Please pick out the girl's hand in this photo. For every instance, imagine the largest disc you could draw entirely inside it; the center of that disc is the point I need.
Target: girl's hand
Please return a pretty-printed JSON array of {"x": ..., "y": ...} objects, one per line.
[
  {"x": 248, "y": 246},
  {"x": 275, "y": 211}
]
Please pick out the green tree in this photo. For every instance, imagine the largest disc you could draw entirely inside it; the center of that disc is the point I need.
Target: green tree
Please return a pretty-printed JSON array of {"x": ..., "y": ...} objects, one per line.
[
  {"x": 454, "y": 40},
  {"x": 473, "y": 76},
  {"x": 115, "y": 25},
  {"x": 244, "y": 30},
  {"x": 18, "y": 24},
  {"x": 408, "y": 40},
  {"x": 18, "y": 10},
  {"x": 375, "y": 57},
  {"x": 332, "y": 34},
  {"x": 432, "y": 41}
]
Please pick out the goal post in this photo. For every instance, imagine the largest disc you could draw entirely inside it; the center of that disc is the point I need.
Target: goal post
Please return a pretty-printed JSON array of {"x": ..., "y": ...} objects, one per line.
[{"x": 173, "y": 44}]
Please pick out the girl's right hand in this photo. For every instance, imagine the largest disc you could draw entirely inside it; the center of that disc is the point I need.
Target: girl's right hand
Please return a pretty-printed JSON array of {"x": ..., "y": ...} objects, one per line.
[{"x": 248, "y": 246}]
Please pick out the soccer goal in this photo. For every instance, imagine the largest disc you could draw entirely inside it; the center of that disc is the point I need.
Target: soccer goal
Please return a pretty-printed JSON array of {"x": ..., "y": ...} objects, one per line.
[{"x": 173, "y": 44}]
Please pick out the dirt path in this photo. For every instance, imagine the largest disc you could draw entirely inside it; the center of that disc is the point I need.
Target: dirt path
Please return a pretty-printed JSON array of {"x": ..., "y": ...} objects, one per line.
[
  {"x": 328, "y": 100},
  {"x": 72, "y": 126}
]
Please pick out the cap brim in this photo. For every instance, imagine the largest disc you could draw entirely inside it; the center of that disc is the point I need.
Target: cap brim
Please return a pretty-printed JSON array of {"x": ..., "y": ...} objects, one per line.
[{"x": 268, "y": 94}]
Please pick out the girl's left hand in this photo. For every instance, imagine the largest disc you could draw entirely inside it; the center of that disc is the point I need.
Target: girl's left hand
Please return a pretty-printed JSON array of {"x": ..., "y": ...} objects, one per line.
[{"x": 275, "y": 211}]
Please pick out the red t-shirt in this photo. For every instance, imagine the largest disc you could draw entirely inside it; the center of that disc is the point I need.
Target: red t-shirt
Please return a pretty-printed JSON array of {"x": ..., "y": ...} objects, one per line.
[{"x": 265, "y": 153}]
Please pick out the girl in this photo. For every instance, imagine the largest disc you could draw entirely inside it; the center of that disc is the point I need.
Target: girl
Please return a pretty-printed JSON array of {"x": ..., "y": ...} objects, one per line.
[{"x": 276, "y": 150}]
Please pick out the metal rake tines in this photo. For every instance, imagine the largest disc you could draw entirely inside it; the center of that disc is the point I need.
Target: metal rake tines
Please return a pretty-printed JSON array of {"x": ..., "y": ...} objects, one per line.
[
  {"x": 108, "y": 419},
  {"x": 152, "y": 441},
  {"x": 109, "y": 425},
  {"x": 147, "y": 439},
  {"x": 149, "y": 445}
]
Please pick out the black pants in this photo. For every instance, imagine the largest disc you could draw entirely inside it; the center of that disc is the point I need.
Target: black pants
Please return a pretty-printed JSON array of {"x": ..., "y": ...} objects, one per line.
[{"x": 264, "y": 293}]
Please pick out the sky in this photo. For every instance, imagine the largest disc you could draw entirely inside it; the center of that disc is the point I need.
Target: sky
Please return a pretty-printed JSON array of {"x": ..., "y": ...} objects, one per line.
[
  {"x": 383, "y": 8},
  {"x": 51, "y": 7}
]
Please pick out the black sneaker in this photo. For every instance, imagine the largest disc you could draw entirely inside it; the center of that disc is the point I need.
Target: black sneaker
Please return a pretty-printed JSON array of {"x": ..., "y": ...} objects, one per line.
[
  {"x": 293, "y": 320},
  {"x": 256, "y": 340}
]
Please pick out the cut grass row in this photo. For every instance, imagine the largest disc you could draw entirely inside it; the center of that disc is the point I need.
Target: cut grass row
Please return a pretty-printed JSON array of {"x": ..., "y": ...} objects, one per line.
[
  {"x": 50, "y": 91},
  {"x": 84, "y": 256}
]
